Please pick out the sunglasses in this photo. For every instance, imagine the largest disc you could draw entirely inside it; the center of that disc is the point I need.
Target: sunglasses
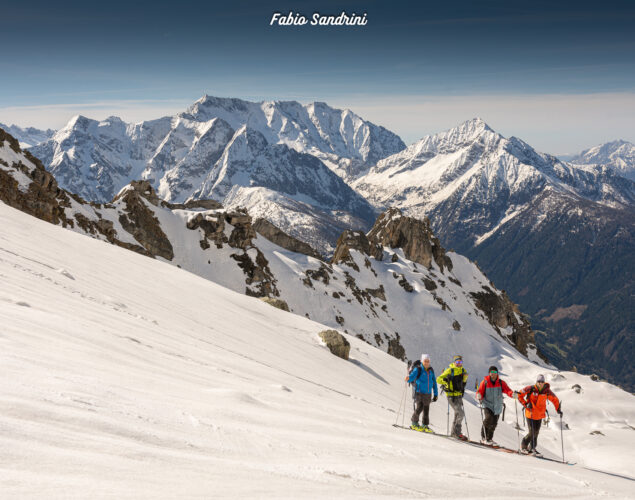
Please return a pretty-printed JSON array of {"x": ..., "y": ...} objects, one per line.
[
  {"x": 494, "y": 371},
  {"x": 458, "y": 362}
]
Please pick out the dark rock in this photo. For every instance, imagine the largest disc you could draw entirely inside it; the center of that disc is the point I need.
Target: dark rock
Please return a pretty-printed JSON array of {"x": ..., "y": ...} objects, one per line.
[
  {"x": 577, "y": 388},
  {"x": 277, "y": 303},
  {"x": 456, "y": 325},
  {"x": 395, "y": 348},
  {"x": 501, "y": 312},
  {"x": 193, "y": 204},
  {"x": 140, "y": 221},
  {"x": 378, "y": 293},
  {"x": 355, "y": 240},
  {"x": 336, "y": 342},
  {"x": 429, "y": 284},
  {"x": 322, "y": 274},
  {"x": 282, "y": 239},
  {"x": 403, "y": 282},
  {"x": 413, "y": 236}
]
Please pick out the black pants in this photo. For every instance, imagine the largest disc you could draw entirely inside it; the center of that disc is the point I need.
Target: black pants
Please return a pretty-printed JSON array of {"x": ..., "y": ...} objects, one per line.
[
  {"x": 530, "y": 441},
  {"x": 422, "y": 403},
  {"x": 490, "y": 421}
]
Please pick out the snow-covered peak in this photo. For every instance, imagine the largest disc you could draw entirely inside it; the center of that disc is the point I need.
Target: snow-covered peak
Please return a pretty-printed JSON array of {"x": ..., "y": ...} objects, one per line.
[
  {"x": 28, "y": 136},
  {"x": 618, "y": 155}
]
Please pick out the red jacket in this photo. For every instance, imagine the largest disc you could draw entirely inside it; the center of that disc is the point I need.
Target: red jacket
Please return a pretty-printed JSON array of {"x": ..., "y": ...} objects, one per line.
[
  {"x": 538, "y": 400},
  {"x": 487, "y": 383}
]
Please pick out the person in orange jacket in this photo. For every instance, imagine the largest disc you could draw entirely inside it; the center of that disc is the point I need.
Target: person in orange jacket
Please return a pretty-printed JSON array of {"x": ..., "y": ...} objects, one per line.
[{"x": 534, "y": 399}]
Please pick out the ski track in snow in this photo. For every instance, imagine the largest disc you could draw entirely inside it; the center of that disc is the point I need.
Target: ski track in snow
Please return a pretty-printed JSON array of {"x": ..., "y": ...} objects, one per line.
[{"x": 132, "y": 378}]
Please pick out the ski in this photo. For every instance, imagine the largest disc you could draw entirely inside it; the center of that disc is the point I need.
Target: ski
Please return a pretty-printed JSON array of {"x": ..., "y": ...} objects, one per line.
[
  {"x": 473, "y": 443},
  {"x": 541, "y": 457}
]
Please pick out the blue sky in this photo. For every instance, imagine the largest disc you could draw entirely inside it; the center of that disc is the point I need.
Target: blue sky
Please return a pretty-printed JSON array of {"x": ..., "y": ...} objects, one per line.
[{"x": 561, "y": 75}]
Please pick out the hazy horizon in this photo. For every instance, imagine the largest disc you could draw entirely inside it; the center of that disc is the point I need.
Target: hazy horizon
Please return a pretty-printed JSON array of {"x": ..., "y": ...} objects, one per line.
[{"x": 560, "y": 76}]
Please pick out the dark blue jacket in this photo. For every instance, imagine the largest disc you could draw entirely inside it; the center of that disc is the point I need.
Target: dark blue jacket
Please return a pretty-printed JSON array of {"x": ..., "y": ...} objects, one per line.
[{"x": 426, "y": 383}]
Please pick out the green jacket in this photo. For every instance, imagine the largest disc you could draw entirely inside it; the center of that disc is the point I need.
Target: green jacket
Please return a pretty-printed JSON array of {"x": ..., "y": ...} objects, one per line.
[{"x": 453, "y": 380}]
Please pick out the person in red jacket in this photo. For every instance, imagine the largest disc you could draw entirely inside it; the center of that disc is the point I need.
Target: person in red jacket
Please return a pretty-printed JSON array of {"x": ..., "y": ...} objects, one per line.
[
  {"x": 534, "y": 398},
  {"x": 490, "y": 394}
]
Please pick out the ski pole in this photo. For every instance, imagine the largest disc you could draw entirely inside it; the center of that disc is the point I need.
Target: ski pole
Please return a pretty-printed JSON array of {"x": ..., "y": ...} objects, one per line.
[
  {"x": 561, "y": 437},
  {"x": 517, "y": 426},
  {"x": 401, "y": 401},
  {"x": 465, "y": 418},
  {"x": 403, "y": 415},
  {"x": 483, "y": 436},
  {"x": 447, "y": 432}
]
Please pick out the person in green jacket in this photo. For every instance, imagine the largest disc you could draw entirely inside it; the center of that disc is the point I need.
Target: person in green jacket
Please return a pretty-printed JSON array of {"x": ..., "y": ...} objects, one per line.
[{"x": 453, "y": 380}]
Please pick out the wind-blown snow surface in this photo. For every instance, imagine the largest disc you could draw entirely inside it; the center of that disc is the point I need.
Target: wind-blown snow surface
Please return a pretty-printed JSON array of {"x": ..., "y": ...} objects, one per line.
[{"x": 126, "y": 377}]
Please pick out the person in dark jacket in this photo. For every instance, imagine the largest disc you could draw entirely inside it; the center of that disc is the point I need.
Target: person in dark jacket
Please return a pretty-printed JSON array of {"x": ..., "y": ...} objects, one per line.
[
  {"x": 425, "y": 385},
  {"x": 490, "y": 394}
]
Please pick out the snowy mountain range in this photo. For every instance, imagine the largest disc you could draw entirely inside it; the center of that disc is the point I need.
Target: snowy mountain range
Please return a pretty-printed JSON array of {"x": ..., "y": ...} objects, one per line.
[
  {"x": 270, "y": 157},
  {"x": 559, "y": 237},
  {"x": 314, "y": 172},
  {"x": 618, "y": 155},
  {"x": 28, "y": 136},
  {"x": 395, "y": 288}
]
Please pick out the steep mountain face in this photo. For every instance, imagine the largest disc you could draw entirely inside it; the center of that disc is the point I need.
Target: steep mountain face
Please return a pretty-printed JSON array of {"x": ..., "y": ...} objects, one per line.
[
  {"x": 269, "y": 157},
  {"x": 29, "y": 136},
  {"x": 396, "y": 288},
  {"x": 545, "y": 230},
  {"x": 617, "y": 155},
  {"x": 575, "y": 283}
]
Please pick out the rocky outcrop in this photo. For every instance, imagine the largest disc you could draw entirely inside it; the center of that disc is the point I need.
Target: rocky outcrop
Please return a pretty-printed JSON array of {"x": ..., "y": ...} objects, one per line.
[
  {"x": 141, "y": 222},
  {"x": 282, "y": 239},
  {"x": 501, "y": 312},
  {"x": 277, "y": 303},
  {"x": 336, "y": 342},
  {"x": 413, "y": 236},
  {"x": 43, "y": 198},
  {"x": 193, "y": 204},
  {"x": 355, "y": 240},
  {"x": 258, "y": 277}
]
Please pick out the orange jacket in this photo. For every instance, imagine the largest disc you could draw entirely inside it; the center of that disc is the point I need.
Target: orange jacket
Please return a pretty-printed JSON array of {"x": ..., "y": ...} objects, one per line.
[{"x": 538, "y": 400}]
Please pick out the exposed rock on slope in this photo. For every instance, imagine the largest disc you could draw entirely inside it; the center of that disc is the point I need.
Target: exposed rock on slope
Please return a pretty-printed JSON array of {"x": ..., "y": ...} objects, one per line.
[
  {"x": 370, "y": 289},
  {"x": 282, "y": 239}
]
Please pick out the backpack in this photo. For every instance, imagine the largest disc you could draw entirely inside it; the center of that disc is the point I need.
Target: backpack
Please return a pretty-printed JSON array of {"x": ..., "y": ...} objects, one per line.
[{"x": 412, "y": 367}]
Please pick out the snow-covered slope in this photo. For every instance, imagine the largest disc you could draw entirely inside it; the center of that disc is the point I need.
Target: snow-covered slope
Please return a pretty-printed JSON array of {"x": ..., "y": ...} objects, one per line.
[
  {"x": 618, "y": 155},
  {"x": 387, "y": 288},
  {"x": 135, "y": 379},
  {"x": 28, "y": 136}
]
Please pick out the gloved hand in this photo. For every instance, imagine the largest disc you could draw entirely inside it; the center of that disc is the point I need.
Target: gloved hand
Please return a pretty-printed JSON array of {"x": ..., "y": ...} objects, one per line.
[
  {"x": 478, "y": 397},
  {"x": 528, "y": 406},
  {"x": 435, "y": 398},
  {"x": 515, "y": 394},
  {"x": 407, "y": 377},
  {"x": 559, "y": 412}
]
